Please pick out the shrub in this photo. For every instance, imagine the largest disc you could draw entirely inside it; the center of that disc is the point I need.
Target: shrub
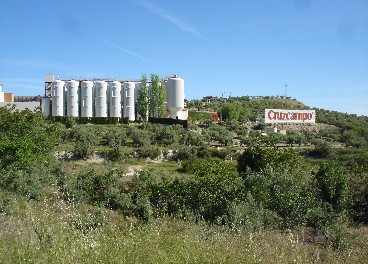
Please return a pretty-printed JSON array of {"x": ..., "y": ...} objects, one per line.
[
  {"x": 186, "y": 153},
  {"x": 323, "y": 148},
  {"x": 70, "y": 121},
  {"x": 25, "y": 138},
  {"x": 283, "y": 191},
  {"x": 149, "y": 152},
  {"x": 251, "y": 216},
  {"x": 142, "y": 137},
  {"x": 115, "y": 137},
  {"x": 333, "y": 185},
  {"x": 257, "y": 158}
]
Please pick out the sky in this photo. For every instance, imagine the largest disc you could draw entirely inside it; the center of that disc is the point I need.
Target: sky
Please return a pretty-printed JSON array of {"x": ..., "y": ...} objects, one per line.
[{"x": 318, "y": 48}]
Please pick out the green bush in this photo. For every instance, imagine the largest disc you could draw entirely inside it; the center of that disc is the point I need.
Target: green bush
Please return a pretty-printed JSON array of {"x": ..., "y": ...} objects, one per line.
[
  {"x": 333, "y": 185},
  {"x": 28, "y": 182},
  {"x": 84, "y": 140},
  {"x": 115, "y": 137},
  {"x": 285, "y": 192},
  {"x": 142, "y": 137},
  {"x": 251, "y": 216},
  {"x": 257, "y": 158},
  {"x": 25, "y": 138}
]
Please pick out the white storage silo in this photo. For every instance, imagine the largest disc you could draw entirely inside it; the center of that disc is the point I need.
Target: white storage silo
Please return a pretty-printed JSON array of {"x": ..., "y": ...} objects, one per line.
[
  {"x": 128, "y": 100},
  {"x": 57, "y": 88},
  {"x": 136, "y": 89},
  {"x": 45, "y": 106},
  {"x": 1, "y": 93},
  {"x": 72, "y": 106},
  {"x": 175, "y": 96},
  {"x": 115, "y": 99},
  {"x": 87, "y": 99},
  {"x": 101, "y": 99}
]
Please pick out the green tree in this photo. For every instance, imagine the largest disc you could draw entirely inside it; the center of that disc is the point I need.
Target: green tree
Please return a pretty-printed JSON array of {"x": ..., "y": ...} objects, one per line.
[
  {"x": 25, "y": 138},
  {"x": 333, "y": 185},
  {"x": 234, "y": 111},
  {"x": 84, "y": 140},
  {"x": 143, "y": 99},
  {"x": 115, "y": 137},
  {"x": 257, "y": 158},
  {"x": 157, "y": 106}
]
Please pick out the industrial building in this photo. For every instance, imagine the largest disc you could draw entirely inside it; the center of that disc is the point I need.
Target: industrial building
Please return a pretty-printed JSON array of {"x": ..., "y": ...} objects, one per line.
[
  {"x": 106, "y": 97},
  {"x": 100, "y": 98}
]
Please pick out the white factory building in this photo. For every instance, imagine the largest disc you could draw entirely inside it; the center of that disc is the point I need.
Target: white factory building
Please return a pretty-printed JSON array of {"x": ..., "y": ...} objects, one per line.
[{"x": 106, "y": 98}]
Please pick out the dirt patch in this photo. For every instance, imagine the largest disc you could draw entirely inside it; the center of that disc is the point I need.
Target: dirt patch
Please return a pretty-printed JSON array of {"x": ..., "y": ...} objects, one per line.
[{"x": 131, "y": 170}]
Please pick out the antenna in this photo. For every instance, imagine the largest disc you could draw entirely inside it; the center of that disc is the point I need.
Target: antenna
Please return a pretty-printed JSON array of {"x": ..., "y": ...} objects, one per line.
[{"x": 285, "y": 91}]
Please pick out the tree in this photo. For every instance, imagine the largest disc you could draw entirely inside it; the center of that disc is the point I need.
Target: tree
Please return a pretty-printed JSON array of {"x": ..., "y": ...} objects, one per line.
[
  {"x": 157, "y": 106},
  {"x": 233, "y": 111},
  {"x": 161, "y": 105},
  {"x": 25, "y": 138},
  {"x": 142, "y": 100},
  {"x": 84, "y": 140},
  {"x": 333, "y": 185},
  {"x": 257, "y": 158}
]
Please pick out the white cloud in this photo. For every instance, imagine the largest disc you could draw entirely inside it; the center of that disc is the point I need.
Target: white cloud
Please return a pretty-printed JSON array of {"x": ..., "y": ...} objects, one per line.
[{"x": 162, "y": 13}]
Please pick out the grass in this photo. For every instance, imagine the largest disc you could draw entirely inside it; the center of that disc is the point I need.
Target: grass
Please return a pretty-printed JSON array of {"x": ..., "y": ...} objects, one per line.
[{"x": 53, "y": 231}]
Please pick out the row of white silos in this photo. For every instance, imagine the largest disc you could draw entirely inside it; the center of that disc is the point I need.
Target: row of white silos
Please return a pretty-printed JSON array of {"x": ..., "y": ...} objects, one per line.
[
  {"x": 102, "y": 94},
  {"x": 99, "y": 95}
]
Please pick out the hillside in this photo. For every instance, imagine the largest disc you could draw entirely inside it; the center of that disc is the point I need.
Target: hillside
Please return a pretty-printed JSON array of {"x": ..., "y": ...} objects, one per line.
[{"x": 214, "y": 185}]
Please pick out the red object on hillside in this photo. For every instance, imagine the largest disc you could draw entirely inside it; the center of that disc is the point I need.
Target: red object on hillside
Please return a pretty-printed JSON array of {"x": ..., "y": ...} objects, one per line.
[{"x": 215, "y": 117}]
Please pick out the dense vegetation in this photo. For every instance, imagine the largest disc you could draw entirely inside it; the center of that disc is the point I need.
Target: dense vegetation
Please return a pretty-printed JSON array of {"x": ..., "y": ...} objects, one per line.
[{"x": 225, "y": 189}]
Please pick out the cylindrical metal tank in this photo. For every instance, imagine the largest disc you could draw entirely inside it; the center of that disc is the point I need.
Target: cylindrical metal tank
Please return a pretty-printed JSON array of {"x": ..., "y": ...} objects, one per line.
[
  {"x": 57, "y": 90},
  {"x": 101, "y": 98},
  {"x": 136, "y": 89},
  {"x": 87, "y": 99},
  {"x": 128, "y": 100},
  {"x": 115, "y": 99},
  {"x": 45, "y": 106},
  {"x": 1, "y": 93},
  {"x": 175, "y": 96},
  {"x": 72, "y": 106}
]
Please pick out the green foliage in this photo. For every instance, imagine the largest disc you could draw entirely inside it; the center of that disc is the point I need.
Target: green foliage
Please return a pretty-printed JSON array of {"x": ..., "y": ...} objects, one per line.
[
  {"x": 251, "y": 216},
  {"x": 186, "y": 153},
  {"x": 199, "y": 116},
  {"x": 214, "y": 153},
  {"x": 157, "y": 106},
  {"x": 31, "y": 181},
  {"x": 25, "y": 138},
  {"x": 70, "y": 121},
  {"x": 149, "y": 152},
  {"x": 221, "y": 134},
  {"x": 233, "y": 111},
  {"x": 84, "y": 140},
  {"x": 323, "y": 148},
  {"x": 207, "y": 196},
  {"x": 191, "y": 138},
  {"x": 170, "y": 134},
  {"x": 333, "y": 185},
  {"x": 143, "y": 99},
  {"x": 293, "y": 137},
  {"x": 141, "y": 137},
  {"x": 257, "y": 158},
  {"x": 284, "y": 191},
  {"x": 273, "y": 139},
  {"x": 115, "y": 137},
  {"x": 93, "y": 188}
]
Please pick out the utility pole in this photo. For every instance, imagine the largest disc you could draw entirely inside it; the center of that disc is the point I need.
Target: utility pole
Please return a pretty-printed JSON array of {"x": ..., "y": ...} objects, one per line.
[{"x": 285, "y": 91}]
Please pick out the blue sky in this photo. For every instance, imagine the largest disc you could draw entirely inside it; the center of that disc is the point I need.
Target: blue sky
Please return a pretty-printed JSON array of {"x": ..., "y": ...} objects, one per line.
[{"x": 319, "y": 48}]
